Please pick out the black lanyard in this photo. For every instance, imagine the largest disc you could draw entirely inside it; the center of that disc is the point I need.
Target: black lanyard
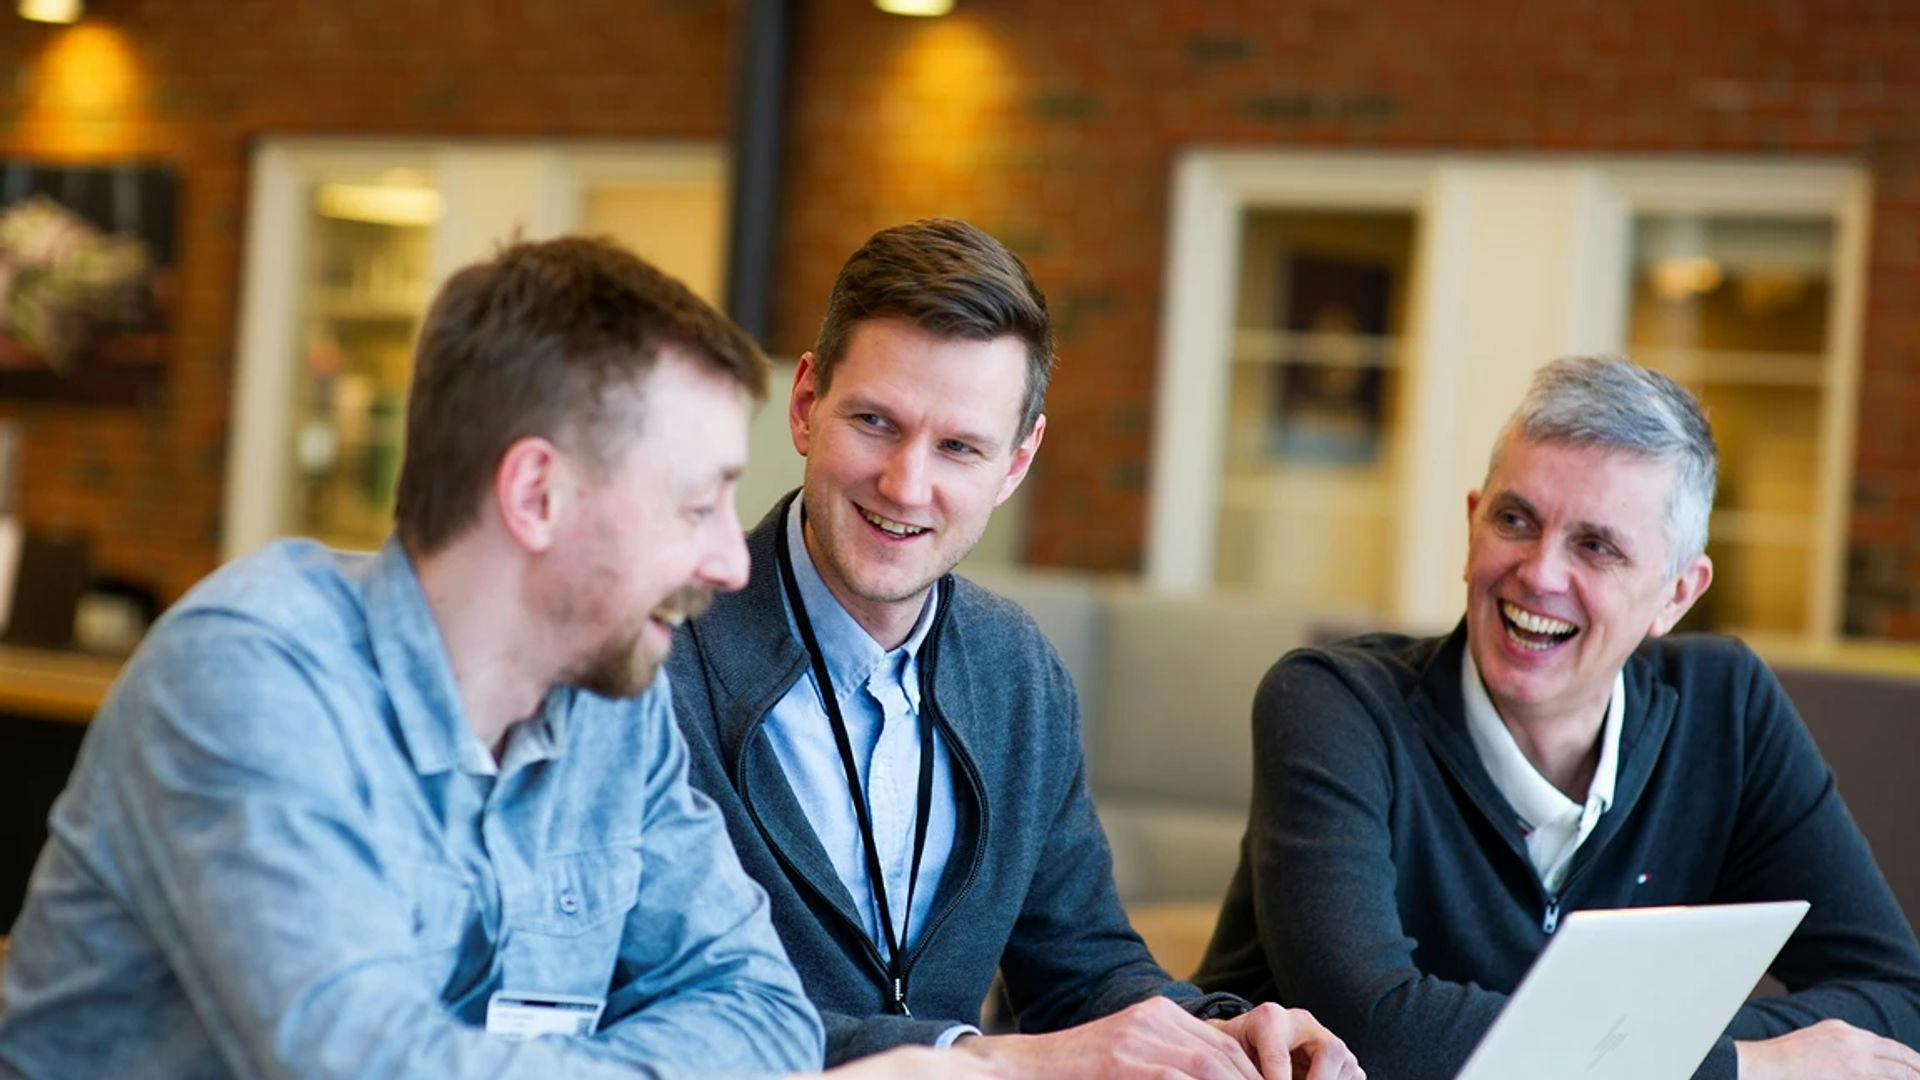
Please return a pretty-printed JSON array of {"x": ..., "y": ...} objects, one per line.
[{"x": 823, "y": 681}]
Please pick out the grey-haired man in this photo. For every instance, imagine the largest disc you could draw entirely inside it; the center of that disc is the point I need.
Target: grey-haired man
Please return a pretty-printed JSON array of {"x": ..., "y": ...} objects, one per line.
[{"x": 1425, "y": 809}]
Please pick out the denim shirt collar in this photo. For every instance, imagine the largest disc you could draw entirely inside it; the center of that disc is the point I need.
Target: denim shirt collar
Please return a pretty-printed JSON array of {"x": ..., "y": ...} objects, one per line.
[
  {"x": 852, "y": 654},
  {"x": 413, "y": 663}
]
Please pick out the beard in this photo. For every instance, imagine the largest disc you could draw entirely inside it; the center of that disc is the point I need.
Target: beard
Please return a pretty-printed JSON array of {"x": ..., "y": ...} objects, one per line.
[{"x": 623, "y": 664}]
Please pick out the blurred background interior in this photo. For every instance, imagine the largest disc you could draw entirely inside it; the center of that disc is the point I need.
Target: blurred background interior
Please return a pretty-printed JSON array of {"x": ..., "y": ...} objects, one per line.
[{"x": 1303, "y": 255}]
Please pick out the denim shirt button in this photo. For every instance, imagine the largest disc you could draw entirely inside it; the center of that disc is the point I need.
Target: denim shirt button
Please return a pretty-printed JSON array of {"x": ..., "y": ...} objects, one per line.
[{"x": 569, "y": 902}]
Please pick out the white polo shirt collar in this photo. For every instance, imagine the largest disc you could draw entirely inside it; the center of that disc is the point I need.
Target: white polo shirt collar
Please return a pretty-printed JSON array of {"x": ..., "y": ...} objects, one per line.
[{"x": 1556, "y": 825}]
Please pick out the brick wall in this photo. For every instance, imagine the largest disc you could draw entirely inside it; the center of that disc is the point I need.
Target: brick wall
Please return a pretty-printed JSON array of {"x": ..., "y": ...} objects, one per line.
[
  {"x": 1053, "y": 123},
  {"x": 1061, "y": 135}
]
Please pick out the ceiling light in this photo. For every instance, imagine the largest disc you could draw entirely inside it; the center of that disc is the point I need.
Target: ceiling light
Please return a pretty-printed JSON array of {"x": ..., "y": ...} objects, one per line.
[
  {"x": 50, "y": 11},
  {"x": 920, "y": 8}
]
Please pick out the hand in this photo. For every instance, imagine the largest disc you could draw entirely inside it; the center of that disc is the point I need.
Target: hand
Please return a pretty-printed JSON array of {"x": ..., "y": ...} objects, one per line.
[
  {"x": 1830, "y": 1049},
  {"x": 1154, "y": 1038},
  {"x": 1286, "y": 1043},
  {"x": 914, "y": 1063}
]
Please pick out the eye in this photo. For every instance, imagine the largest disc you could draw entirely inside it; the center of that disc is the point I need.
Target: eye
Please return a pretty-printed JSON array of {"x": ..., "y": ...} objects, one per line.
[
  {"x": 873, "y": 421},
  {"x": 1599, "y": 549},
  {"x": 957, "y": 448},
  {"x": 1511, "y": 520}
]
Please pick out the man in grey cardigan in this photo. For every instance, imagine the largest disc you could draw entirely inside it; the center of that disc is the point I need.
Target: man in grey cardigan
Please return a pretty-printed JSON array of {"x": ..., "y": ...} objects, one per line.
[{"x": 896, "y": 751}]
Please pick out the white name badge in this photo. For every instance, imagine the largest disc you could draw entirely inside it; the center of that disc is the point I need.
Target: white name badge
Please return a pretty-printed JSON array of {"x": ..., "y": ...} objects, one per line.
[{"x": 513, "y": 1014}]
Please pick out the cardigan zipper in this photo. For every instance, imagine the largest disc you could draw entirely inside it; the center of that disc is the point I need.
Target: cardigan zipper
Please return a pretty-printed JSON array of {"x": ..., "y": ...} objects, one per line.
[
  {"x": 979, "y": 844},
  {"x": 793, "y": 871},
  {"x": 1550, "y": 901},
  {"x": 896, "y": 988}
]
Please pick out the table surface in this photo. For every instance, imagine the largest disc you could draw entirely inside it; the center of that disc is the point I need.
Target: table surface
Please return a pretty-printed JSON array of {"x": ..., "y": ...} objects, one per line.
[
  {"x": 1176, "y": 931},
  {"x": 52, "y": 684}
]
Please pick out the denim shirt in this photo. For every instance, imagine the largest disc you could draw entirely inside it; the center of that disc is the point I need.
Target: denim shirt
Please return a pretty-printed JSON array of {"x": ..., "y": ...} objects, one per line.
[{"x": 283, "y": 852}]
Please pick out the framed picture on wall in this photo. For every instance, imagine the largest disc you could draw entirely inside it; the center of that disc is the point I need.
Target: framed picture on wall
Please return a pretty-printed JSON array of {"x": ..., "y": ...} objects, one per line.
[
  {"x": 1327, "y": 398},
  {"x": 88, "y": 275}
]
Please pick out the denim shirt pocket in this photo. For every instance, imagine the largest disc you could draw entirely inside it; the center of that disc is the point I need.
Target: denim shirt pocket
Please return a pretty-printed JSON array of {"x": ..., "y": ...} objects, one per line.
[
  {"x": 566, "y": 931},
  {"x": 445, "y": 916}
]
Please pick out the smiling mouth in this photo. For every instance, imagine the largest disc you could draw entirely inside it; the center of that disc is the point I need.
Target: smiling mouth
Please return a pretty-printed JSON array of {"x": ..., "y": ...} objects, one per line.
[
  {"x": 899, "y": 529},
  {"x": 1535, "y": 633}
]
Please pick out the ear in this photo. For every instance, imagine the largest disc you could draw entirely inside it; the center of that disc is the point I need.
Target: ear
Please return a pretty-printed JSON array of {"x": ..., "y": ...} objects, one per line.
[
  {"x": 1688, "y": 587},
  {"x": 1473, "y": 504},
  {"x": 532, "y": 491},
  {"x": 801, "y": 402},
  {"x": 1022, "y": 459}
]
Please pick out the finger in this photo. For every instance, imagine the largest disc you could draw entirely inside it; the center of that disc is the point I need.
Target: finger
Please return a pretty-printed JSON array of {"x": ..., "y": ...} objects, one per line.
[
  {"x": 1306, "y": 1028},
  {"x": 1268, "y": 1035},
  {"x": 1330, "y": 1059},
  {"x": 1327, "y": 1055},
  {"x": 1196, "y": 1061},
  {"x": 1197, "y": 1049},
  {"x": 1232, "y": 1052},
  {"x": 1274, "y": 1045}
]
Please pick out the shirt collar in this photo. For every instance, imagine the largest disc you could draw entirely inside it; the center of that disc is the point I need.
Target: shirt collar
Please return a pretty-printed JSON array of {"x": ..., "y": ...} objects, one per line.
[
  {"x": 851, "y": 653},
  {"x": 1536, "y": 799},
  {"x": 418, "y": 680}
]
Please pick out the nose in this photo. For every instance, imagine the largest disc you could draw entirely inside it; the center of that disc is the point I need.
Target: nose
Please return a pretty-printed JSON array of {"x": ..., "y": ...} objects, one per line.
[
  {"x": 1544, "y": 570},
  {"x": 903, "y": 479},
  {"x": 723, "y": 567}
]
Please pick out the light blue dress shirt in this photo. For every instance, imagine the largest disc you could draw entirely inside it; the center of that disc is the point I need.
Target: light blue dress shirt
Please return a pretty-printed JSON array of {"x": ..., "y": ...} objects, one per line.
[
  {"x": 284, "y": 853},
  {"x": 879, "y": 694}
]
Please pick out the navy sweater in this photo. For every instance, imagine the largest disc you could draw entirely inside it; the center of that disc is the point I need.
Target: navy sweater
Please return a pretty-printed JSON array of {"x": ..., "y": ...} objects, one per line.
[{"x": 1384, "y": 882}]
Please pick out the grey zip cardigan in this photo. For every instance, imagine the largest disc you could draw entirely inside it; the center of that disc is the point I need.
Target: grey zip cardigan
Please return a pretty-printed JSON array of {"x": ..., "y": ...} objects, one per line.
[{"x": 1029, "y": 887}]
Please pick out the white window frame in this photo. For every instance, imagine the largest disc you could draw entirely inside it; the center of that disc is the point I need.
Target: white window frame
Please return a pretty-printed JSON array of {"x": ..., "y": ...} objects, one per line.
[
  {"x": 490, "y": 188},
  {"x": 1519, "y": 258}
]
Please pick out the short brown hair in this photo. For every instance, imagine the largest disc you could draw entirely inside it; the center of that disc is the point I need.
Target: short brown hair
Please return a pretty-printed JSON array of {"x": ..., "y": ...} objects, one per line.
[
  {"x": 950, "y": 280},
  {"x": 549, "y": 338}
]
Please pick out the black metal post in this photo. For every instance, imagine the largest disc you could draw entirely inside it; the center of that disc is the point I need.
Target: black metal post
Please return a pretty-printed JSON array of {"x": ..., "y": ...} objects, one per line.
[{"x": 759, "y": 120}]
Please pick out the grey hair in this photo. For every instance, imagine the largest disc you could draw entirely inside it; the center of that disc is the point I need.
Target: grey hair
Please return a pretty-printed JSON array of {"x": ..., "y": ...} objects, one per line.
[{"x": 1609, "y": 402}]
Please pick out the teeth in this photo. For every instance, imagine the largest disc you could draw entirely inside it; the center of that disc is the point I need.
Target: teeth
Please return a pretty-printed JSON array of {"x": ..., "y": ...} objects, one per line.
[
  {"x": 671, "y": 618},
  {"x": 889, "y": 525},
  {"x": 1530, "y": 646},
  {"x": 1538, "y": 624}
]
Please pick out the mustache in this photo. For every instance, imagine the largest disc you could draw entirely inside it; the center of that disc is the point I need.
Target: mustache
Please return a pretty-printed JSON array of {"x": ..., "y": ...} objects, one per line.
[{"x": 688, "y": 601}]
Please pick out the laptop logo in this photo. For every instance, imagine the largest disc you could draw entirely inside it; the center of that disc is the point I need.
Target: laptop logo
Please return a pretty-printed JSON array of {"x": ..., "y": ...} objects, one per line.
[{"x": 1611, "y": 1041}]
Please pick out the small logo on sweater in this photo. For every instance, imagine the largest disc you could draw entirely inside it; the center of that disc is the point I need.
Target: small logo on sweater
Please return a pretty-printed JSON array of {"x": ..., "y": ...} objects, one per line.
[{"x": 1643, "y": 878}]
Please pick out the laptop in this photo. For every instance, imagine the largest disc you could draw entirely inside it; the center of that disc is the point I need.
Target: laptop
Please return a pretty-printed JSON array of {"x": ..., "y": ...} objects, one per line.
[{"x": 1633, "y": 993}]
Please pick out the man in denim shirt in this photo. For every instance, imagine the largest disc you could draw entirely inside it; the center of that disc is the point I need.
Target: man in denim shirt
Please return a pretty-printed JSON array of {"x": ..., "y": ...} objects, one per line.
[{"x": 341, "y": 804}]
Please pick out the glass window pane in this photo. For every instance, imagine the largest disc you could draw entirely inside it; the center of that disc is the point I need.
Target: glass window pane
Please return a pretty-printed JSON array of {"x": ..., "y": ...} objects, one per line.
[
  {"x": 1735, "y": 309},
  {"x": 1307, "y": 498},
  {"x": 365, "y": 290}
]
